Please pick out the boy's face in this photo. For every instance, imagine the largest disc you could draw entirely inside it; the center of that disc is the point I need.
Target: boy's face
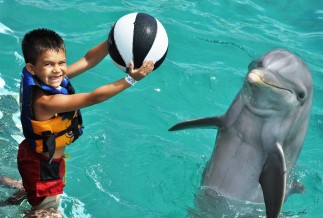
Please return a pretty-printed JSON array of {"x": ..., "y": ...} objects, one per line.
[{"x": 50, "y": 67}]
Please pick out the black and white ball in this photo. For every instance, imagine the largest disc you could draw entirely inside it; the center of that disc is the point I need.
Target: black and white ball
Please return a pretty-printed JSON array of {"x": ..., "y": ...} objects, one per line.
[{"x": 137, "y": 37}]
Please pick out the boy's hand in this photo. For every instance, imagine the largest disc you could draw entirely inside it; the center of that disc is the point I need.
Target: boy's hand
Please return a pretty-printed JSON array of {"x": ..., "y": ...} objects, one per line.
[{"x": 146, "y": 68}]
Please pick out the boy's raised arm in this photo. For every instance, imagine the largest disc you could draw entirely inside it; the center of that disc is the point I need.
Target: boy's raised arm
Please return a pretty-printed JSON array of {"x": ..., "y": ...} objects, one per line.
[{"x": 91, "y": 58}]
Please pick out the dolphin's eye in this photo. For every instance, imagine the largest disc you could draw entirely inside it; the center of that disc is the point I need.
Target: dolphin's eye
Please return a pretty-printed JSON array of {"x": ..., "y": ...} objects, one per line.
[{"x": 301, "y": 95}]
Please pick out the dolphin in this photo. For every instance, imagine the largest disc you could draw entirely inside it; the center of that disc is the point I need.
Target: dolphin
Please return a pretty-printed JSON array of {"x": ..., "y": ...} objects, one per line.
[{"x": 261, "y": 135}]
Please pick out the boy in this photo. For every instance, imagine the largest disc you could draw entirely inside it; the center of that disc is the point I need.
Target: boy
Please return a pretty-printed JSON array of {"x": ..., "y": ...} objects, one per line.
[{"x": 50, "y": 110}]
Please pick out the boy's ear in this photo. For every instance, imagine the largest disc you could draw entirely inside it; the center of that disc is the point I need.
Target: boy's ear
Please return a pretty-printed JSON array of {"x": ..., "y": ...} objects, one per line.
[{"x": 30, "y": 68}]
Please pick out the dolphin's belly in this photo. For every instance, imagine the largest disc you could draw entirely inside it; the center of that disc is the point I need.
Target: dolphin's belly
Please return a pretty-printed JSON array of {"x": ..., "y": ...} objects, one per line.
[{"x": 235, "y": 167}]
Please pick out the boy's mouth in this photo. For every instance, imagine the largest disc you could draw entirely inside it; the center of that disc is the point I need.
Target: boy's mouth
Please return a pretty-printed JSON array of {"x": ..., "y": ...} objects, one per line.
[{"x": 54, "y": 78}]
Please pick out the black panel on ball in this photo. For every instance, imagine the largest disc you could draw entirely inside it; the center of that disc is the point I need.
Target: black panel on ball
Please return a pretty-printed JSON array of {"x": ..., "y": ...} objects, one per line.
[
  {"x": 145, "y": 30},
  {"x": 113, "y": 50}
]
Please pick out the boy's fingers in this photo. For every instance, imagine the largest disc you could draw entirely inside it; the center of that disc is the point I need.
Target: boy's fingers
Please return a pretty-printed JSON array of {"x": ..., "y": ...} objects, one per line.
[
  {"x": 130, "y": 69},
  {"x": 148, "y": 65}
]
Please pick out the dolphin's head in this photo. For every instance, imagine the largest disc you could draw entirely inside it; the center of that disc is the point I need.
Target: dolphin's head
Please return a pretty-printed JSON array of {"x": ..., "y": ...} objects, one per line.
[{"x": 279, "y": 81}]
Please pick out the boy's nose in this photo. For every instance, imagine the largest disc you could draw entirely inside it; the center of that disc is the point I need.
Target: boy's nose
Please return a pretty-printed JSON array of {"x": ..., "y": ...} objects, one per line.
[{"x": 56, "y": 69}]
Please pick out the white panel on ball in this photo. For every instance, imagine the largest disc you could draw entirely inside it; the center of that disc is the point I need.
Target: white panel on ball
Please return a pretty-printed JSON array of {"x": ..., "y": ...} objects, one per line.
[
  {"x": 160, "y": 45},
  {"x": 123, "y": 35}
]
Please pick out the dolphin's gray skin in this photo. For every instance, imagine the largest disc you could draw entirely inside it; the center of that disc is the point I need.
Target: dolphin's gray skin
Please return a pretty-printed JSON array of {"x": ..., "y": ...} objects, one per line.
[{"x": 261, "y": 135}]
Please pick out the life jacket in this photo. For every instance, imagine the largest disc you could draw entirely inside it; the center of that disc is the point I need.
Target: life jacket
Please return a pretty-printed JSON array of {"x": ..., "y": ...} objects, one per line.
[{"x": 48, "y": 135}]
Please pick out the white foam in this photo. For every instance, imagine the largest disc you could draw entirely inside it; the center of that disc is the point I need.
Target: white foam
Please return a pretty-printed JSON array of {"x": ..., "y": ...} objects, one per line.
[
  {"x": 19, "y": 59},
  {"x": 2, "y": 83},
  {"x": 16, "y": 119},
  {"x": 15, "y": 115},
  {"x": 100, "y": 187},
  {"x": 78, "y": 207},
  {"x": 17, "y": 138},
  {"x": 4, "y": 91},
  {"x": 6, "y": 30}
]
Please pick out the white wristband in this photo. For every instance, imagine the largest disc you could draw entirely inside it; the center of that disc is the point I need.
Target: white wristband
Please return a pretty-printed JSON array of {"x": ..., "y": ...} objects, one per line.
[{"x": 130, "y": 80}]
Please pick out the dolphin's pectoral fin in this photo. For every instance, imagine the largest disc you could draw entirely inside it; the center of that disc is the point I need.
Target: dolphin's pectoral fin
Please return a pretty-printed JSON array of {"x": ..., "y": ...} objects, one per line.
[
  {"x": 273, "y": 181},
  {"x": 206, "y": 122},
  {"x": 296, "y": 188}
]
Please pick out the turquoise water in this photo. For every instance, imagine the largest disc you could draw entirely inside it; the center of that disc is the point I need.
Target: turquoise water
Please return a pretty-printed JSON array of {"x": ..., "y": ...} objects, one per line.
[{"x": 127, "y": 164}]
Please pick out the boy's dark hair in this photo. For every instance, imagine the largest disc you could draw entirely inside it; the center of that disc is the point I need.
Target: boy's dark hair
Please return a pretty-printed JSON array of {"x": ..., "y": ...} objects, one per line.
[{"x": 37, "y": 41}]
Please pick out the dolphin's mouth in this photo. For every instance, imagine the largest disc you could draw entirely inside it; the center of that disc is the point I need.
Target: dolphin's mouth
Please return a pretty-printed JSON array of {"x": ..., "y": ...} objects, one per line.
[{"x": 256, "y": 76}]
